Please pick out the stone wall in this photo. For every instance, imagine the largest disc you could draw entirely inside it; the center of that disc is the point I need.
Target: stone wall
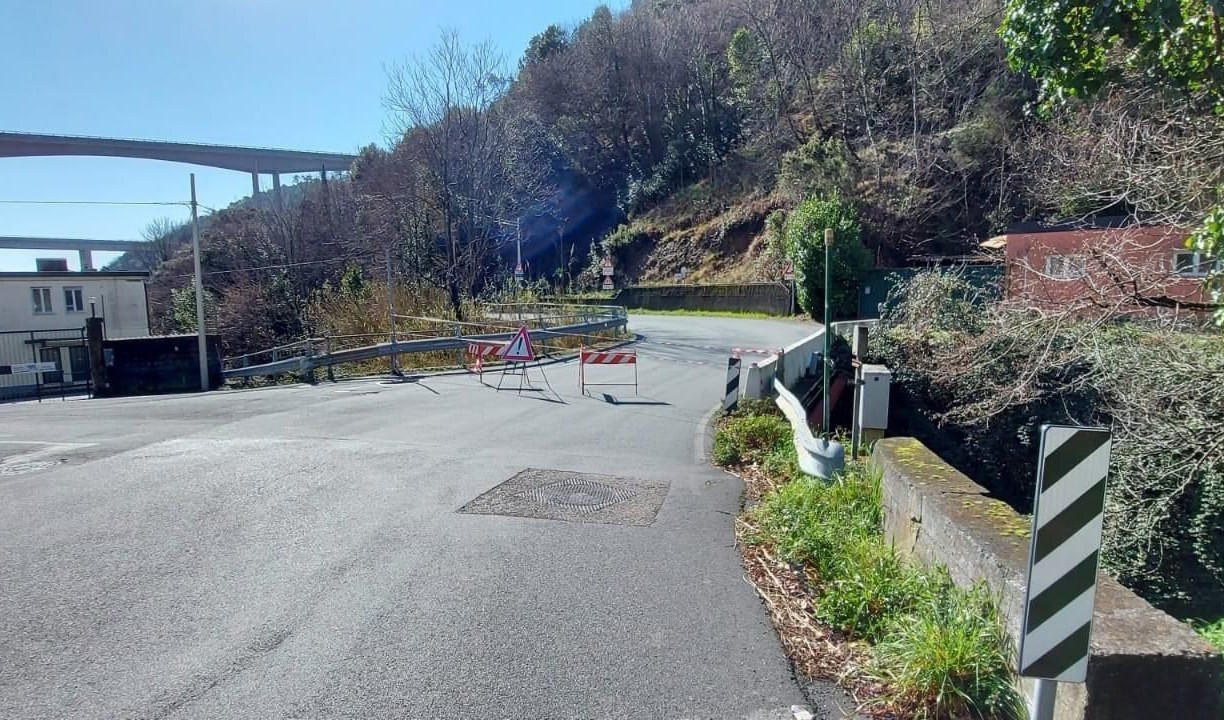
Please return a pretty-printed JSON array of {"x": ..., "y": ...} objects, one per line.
[{"x": 1144, "y": 664}]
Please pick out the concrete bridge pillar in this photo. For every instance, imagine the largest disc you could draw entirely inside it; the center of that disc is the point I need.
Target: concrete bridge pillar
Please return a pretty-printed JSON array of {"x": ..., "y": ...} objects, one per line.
[
  {"x": 254, "y": 184},
  {"x": 86, "y": 259},
  {"x": 276, "y": 191}
]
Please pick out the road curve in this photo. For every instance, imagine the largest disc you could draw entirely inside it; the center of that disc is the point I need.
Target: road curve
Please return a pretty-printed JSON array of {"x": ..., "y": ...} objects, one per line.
[{"x": 298, "y": 552}]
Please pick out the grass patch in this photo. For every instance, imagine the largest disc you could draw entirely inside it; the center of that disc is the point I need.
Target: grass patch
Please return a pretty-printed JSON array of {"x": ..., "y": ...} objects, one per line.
[
  {"x": 743, "y": 314},
  {"x": 1213, "y": 632},
  {"x": 926, "y": 648}
]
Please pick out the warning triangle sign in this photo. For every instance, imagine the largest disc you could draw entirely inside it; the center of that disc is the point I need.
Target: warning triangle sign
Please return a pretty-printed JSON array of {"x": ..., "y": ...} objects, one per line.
[{"x": 519, "y": 349}]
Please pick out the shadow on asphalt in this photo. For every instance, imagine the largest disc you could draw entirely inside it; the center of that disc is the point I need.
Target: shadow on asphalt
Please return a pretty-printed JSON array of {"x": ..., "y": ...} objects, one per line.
[{"x": 613, "y": 400}]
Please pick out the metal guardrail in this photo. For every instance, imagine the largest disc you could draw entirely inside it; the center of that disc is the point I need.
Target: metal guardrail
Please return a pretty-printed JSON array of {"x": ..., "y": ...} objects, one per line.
[{"x": 304, "y": 356}]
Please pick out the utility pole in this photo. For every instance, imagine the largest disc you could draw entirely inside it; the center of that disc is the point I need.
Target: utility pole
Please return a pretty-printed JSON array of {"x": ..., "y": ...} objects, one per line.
[
  {"x": 391, "y": 314},
  {"x": 828, "y": 338},
  {"x": 201, "y": 336}
]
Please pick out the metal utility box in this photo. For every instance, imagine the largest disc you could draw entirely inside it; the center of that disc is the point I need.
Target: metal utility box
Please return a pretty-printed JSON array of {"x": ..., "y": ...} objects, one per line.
[{"x": 873, "y": 397}]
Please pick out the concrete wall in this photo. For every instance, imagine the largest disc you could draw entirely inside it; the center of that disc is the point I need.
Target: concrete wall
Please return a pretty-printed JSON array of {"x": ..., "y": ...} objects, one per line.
[
  {"x": 1144, "y": 664},
  {"x": 772, "y": 298},
  {"x": 160, "y": 364}
]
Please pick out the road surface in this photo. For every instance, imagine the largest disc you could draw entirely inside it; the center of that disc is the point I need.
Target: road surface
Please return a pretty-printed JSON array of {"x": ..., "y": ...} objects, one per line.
[{"x": 300, "y": 552}]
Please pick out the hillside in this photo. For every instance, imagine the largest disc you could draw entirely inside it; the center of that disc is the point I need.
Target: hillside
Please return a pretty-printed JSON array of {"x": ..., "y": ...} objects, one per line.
[{"x": 682, "y": 134}]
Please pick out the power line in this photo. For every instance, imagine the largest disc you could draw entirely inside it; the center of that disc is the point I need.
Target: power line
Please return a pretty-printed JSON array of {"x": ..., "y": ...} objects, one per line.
[
  {"x": 280, "y": 266},
  {"x": 88, "y": 202}
]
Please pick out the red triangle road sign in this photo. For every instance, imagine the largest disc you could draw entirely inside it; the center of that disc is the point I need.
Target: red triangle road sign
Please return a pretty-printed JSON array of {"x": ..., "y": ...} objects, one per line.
[{"x": 519, "y": 349}]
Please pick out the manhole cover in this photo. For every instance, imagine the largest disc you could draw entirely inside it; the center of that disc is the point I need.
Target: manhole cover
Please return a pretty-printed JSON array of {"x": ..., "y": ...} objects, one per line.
[
  {"x": 579, "y": 494},
  {"x": 580, "y": 497}
]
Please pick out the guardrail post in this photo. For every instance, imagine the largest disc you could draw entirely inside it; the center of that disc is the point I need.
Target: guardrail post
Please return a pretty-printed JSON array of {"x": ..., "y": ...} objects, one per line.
[
  {"x": 310, "y": 366},
  {"x": 331, "y": 375},
  {"x": 458, "y": 333}
]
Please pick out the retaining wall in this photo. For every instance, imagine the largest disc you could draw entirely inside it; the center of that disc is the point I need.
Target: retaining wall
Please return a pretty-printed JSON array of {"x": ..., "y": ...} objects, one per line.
[
  {"x": 772, "y": 298},
  {"x": 1144, "y": 664}
]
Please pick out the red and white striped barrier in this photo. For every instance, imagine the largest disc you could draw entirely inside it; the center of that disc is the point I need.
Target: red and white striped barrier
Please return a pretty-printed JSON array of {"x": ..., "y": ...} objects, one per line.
[
  {"x": 737, "y": 352},
  {"x": 479, "y": 350},
  {"x": 606, "y": 357}
]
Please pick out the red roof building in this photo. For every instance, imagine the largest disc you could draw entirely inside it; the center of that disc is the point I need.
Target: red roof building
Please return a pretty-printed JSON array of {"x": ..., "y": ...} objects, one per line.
[{"x": 1128, "y": 269}]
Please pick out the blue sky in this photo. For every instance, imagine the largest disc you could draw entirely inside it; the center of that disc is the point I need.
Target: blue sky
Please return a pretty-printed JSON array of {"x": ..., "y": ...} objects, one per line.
[{"x": 301, "y": 74}]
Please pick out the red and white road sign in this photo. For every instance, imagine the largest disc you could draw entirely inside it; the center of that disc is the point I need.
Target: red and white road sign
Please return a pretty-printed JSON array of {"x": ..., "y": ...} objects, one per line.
[
  {"x": 788, "y": 270},
  {"x": 518, "y": 270},
  {"x": 607, "y": 284},
  {"x": 607, "y": 266},
  {"x": 519, "y": 349}
]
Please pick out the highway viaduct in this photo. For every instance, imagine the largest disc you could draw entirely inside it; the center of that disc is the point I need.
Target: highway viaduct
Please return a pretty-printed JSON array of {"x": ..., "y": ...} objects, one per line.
[{"x": 256, "y": 161}]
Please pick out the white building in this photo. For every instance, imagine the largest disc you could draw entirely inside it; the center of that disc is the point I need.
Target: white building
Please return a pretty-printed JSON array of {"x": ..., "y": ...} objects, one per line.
[{"x": 42, "y": 319}]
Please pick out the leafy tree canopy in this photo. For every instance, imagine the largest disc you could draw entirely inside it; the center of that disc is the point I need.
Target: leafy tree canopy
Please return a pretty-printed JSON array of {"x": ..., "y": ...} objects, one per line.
[{"x": 1074, "y": 48}]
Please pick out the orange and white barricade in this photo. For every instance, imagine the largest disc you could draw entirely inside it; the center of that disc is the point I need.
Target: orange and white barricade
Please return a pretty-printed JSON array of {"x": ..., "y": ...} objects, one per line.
[
  {"x": 478, "y": 350},
  {"x": 606, "y": 357}
]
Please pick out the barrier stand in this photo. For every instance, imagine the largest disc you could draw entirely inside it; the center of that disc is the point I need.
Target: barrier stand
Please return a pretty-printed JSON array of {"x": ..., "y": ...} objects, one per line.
[
  {"x": 613, "y": 357},
  {"x": 479, "y": 350},
  {"x": 737, "y": 353}
]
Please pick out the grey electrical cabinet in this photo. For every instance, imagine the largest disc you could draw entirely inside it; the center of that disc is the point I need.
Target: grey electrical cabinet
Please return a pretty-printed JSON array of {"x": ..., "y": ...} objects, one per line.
[{"x": 873, "y": 397}]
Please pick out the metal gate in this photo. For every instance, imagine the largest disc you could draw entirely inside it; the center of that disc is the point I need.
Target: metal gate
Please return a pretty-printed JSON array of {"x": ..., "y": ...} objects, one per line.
[{"x": 66, "y": 348}]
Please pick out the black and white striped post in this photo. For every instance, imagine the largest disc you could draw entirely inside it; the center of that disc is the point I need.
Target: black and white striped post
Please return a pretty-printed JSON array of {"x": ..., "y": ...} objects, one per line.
[
  {"x": 731, "y": 398},
  {"x": 1068, "y": 511}
]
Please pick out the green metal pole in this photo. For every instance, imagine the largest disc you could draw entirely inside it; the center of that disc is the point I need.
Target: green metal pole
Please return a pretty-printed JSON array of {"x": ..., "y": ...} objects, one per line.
[{"x": 828, "y": 341}]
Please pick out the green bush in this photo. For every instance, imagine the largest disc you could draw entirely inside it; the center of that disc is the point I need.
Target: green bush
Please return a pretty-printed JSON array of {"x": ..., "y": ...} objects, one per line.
[
  {"x": 821, "y": 166},
  {"x": 940, "y": 650},
  {"x": 848, "y": 257},
  {"x": 749, "y": 438},
  {"x": 950, "y": 656},
  {"x": 978, "y": 380}
]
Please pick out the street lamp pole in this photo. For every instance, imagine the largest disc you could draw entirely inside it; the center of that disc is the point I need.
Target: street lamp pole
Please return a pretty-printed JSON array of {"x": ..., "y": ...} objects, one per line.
[{"x": 828, "y": 340}]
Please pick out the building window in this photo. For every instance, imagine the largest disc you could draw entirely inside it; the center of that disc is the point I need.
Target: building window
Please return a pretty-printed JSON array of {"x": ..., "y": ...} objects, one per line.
[
  {"x": 42, "y": 300},
  {"x": 1066, "y": 267},
  {"x": 1189, "y": 263},
  {"x": 73, "y": 302}
]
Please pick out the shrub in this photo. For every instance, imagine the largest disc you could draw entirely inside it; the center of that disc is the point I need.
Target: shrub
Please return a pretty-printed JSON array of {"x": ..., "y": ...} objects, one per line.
[
  {"x": 950, "y": 657},
  {"x": 749, "y": 438},
  {"x": 821, "y": 166},
  {"x": 981, "y": 379},
  {"x": 848, "y": 257},
  {"x": 941, "y": 651}
]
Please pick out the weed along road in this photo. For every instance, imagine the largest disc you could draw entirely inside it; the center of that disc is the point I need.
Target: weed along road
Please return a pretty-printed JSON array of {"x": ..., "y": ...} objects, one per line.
[{"x": 425, "y": 549}]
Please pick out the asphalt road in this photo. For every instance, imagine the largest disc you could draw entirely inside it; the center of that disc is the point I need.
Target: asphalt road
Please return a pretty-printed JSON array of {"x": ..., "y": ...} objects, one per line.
[{"x": 297, "y": 552}]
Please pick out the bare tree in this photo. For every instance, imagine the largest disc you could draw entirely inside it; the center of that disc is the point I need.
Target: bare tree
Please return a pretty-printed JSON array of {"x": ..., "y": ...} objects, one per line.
[
  {"x": 478, "y": 162},
  {"x": 162, "y": 237}
]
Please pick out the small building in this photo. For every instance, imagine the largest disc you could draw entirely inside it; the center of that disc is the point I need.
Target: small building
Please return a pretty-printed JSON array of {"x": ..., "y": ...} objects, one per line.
[
  {"x": 42, "y": 320},
  {"x": 1119, "y": 266}
]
